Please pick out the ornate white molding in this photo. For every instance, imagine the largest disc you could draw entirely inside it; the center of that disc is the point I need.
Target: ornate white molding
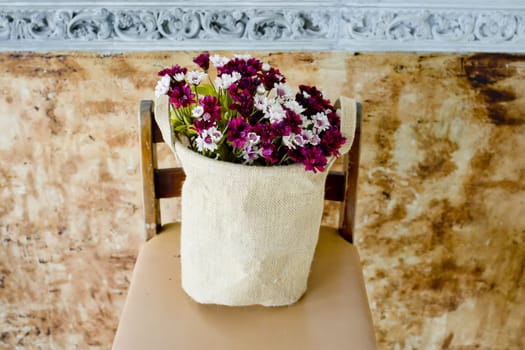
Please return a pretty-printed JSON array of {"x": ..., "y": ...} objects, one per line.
[{"x": 309, "y": 25}]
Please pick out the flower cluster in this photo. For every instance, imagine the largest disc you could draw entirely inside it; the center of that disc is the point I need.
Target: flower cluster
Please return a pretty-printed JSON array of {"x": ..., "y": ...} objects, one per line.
[{"x": 247, "y": 114}]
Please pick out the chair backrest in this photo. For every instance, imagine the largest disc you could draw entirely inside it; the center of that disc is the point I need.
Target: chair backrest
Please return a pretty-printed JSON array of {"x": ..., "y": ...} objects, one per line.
[{"x": 341, "y": 186}]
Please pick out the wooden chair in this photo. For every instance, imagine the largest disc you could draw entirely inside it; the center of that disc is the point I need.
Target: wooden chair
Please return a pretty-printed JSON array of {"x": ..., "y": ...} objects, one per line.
[{"x": 333, "y": 314}]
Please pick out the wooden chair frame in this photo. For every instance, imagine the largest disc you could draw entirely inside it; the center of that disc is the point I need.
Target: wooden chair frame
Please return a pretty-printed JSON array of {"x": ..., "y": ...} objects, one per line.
[{"x": 341, "y": 186}]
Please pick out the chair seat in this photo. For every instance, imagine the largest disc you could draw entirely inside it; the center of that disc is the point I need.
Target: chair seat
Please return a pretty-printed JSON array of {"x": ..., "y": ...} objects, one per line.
[{"x": 333, "y": 314}]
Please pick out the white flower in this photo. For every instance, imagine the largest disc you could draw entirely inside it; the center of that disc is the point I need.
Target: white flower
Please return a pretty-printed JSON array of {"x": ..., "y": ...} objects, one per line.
[
  {"x": 288, "y": 141},
  {"x": 261, "y": 89},
  {"x": 197, "y": 111},
  {"x": 299, "y": 140},
  {"x": 311, "y": 137},
  {"x": 225, "y": 80},
  {"x": 266, "y": 67},
  {"x": 207, "y": 139},
  {"x": 243, "y": 57},
  {"x": 294, "y": 140},
  {"x": 253, "y": 138},
  {"x": 260, "y": 102},
  {"x": 195, "y": 77},
  {"x": 321, "y": 122},
  {"x": 275, "y": 112},
  {"x": 179, "y": 77},
  {"x": 236, "y": 76},
  {"x": 250, "y": 153},
  {"x": 163, "y": 86},
  {"x": 219, "y": 61},
  {"x": 283, "y": 91},
  {"x": 294, "y": 106},
  {"x": 306, "y": 94},
  {"x": 306, "y": 121}
]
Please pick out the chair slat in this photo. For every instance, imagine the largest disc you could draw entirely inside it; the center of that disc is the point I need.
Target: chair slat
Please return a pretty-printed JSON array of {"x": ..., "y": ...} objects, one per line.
[
  {"x": 156, "y": 135},
  {"x": 347, "y": 214},
  {"x": 148, "y": 162},
  {"x": 169, "y": 181},
  {"x": 334, "y": 189}
]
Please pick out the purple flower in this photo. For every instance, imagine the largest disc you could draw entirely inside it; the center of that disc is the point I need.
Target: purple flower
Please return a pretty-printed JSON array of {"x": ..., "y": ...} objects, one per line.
[
  {"x": 237, "y": 132},
  {"x": 334, "y": 119},
  {"x": 172, "y": 71},
  {"x": 259, "y": 128},
  {"x": 312, "y": 99},
  {"x": 314, "y": 159},
  {"x": 267, "y": 132},
  {"x": 292, "y": 123},
  {"x": 271, "y": 77},
  {"x": 242, "y": 97},
  {"x": 212, "y": 108},
  {"x": 270, "y": 153},
  {"x": 203, "y": 60},
  {"x": 182, "y": 96},
  {"x": 246, "y": 67},
  {"x": 331, "y": 141}
]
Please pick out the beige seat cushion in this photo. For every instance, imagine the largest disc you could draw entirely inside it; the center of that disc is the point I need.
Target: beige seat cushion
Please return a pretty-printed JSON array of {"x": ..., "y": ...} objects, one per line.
[{"x": 333, "y": 314}]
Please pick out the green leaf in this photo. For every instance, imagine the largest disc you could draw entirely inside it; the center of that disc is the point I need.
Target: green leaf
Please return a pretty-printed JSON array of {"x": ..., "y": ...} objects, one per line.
[
  {"x": 181, "y": 128},
  {"x": 206, "y": 89},
  {"x": 187, "y": 119}
]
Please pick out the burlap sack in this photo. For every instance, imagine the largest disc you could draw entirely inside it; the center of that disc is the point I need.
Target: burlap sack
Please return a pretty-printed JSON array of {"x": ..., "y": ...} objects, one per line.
[{"x": 249, "y": 232}]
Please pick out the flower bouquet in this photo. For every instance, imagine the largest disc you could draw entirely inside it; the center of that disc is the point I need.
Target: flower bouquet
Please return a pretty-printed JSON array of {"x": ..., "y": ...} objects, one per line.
[{"x": 256, "y": 157}]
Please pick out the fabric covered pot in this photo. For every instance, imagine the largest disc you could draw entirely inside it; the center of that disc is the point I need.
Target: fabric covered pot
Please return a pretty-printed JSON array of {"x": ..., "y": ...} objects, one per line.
[{"x": 248, "y": 233}]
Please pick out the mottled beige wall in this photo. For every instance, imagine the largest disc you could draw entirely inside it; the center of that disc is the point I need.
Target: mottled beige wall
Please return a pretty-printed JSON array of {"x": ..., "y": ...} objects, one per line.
[{"x": 441, "y": 208}]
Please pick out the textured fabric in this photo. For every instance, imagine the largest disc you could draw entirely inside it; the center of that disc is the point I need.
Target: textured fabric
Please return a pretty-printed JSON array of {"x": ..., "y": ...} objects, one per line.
[{"x": 249, "y": 232}]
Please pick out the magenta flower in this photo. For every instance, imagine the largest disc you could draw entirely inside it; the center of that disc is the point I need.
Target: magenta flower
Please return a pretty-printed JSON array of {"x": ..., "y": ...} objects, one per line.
[
  {"x": 182, "y": 96},
  {"x": 312, "y": 99},
  {"x": 331, "y": 141},
  {"x": 237, "y": 132},
  {"x": 271, "y": 77},
  {"x": 246, "y": 67},
  {"x": 203, "y": 60},
  {"x": 172, "y": 71},
  {"x": 314, "y": 159},
  {"x": 270, "y": 153},
  {"x": 263, "y": 122},
  {"x": 212, "y": 108},
  {"x": 242, "y": 97}
]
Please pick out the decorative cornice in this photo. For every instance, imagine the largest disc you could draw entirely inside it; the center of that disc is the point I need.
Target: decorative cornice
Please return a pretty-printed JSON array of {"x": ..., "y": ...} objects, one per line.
[{"x": 335, "y": 25}]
